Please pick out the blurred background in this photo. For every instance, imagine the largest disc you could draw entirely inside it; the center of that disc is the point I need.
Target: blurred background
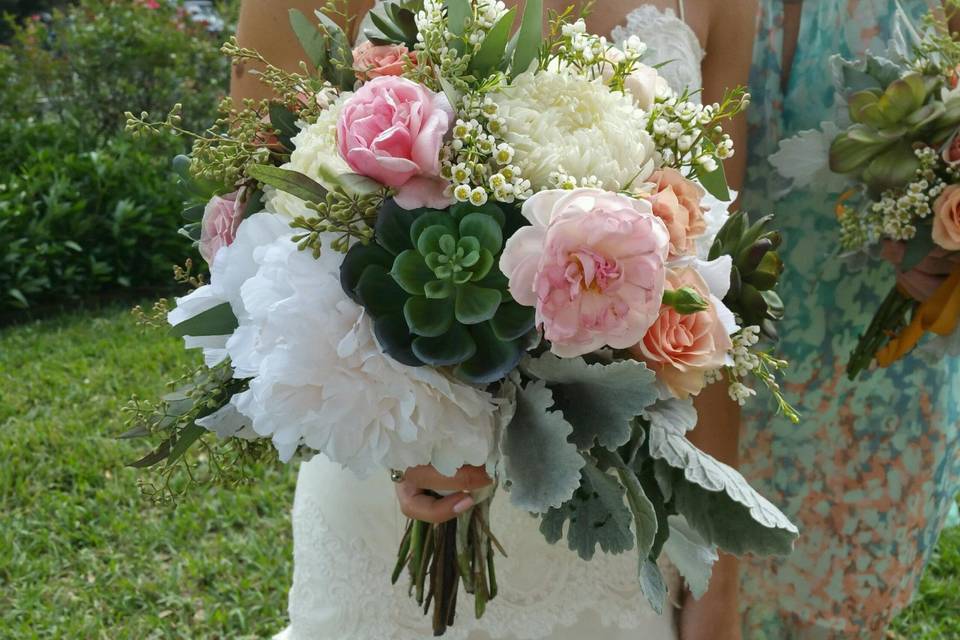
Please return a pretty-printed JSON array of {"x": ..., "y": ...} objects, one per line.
[{"x": 88, "y": 229}]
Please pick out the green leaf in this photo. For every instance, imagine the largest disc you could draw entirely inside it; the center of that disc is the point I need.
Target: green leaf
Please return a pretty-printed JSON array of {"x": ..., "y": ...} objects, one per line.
[
  {"x": 431, "y": 219},
  {"x": 540, "y": 465},
  {"x": 597, "y": 515},
  {"x": 599, "y": 400},
  {"x": 476, "y": 304},
  {"x": 529, "y": 38},
  {"x": 411, "y": 272},
  {"x": 430, "y": 240},
  {"x": 314, "y": 43},
  {"x": 386, "y": 28},
  {"x": 652, "y": 584},
  {"x": 393, "y": 226},
  {"x": 194, "y": 213},
  {"x": 439, "y": 289},
  {"x": 494, "y": 45},
  {"x": 918, "y": 248},
  {"x": 182, "y": 444},
  {"x": 218, "y": 321},
  {"x": 379, "y": 293},
  {"x": 395, "y": 339},
  {"x": 483, "y": 228},
  {"x": 461, "y": 210},
  {"x": 156, "y": 456},
  {"x": 459, "y": 13},
  {"x": 283, "y": 120},
  {"x": 450, "y": 349},
  {"x": 715, "y": 182},
  {"x": 428, "y": 318},
  {"x": 339, "y": 67},
  {"x": 718, "y": 502},
  {"x": 358, "y": 258},
  {"x": 494, "y": 358},
  {"x": 513, "y": 321},
  {"x": 253, "y": 203},
  {"x": 691, "y": 555},
  {"x": 289, "y": 181}
]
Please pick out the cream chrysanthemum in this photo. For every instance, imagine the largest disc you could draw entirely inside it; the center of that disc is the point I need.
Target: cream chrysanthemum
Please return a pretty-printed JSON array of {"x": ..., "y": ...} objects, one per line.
[
  {"x": 558, "y": 121},
  {"x": 315, "y": 154}
]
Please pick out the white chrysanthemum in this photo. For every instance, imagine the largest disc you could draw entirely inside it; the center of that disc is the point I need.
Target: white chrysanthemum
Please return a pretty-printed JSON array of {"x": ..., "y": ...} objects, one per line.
[
  {"x": 315, "y": 155},
  {"x": 319, "y": 378},
  {"x": 560, "y": 121}
]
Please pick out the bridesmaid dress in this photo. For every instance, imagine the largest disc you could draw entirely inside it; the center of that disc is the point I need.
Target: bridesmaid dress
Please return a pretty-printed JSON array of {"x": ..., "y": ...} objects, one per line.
[{"x": 870, "y": 473}]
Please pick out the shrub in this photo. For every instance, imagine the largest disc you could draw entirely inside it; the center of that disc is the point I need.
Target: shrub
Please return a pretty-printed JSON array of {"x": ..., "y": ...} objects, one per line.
[{"x": 84, "y": 207}]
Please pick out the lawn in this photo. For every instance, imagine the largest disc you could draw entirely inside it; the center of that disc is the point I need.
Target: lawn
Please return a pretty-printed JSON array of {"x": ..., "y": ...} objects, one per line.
[{"x": 84, "y": 555}]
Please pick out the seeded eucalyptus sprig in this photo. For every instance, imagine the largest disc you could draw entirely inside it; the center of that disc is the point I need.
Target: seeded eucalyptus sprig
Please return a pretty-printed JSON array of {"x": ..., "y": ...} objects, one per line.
[{"x": 352, "y": 216}]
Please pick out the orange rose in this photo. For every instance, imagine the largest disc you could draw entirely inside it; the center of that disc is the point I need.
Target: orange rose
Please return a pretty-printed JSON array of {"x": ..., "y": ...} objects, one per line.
[
  {"x": 373, "y": 61},
  {"x": 946, "y": 219},
  {"x": 677, "y": 203},
  {"x": 682, "y": 349}
]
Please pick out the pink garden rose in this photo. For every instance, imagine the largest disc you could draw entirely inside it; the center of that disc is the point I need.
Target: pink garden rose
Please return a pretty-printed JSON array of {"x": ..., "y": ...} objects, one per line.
[
  {"x": 221, "y": 217},
  {"x": 951, "y": 150},
  {"x": 946, "y": 219},
  {"x": 391, "y": 130},
  {"x": 592, "y": 264},
  {"x": 682, "y": 349},
  {"x": 374, "y": 61},
  {"x": 677, "y": 203}
]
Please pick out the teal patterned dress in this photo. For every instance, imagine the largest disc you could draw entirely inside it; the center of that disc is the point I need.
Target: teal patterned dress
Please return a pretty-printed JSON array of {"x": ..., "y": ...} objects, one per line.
[{"x": 870, "y": 473}]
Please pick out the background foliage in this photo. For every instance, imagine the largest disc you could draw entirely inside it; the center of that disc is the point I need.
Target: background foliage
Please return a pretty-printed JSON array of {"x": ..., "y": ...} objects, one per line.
[{"x": 84, "y": 208}]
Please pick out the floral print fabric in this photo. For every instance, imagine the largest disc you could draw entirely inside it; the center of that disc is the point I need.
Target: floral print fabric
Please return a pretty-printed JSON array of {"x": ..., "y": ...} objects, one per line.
[{"x": 870, "y": 473}]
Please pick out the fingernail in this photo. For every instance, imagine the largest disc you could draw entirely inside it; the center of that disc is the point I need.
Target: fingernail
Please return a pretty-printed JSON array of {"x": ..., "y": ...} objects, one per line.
[{"x": 463, "y": 505}]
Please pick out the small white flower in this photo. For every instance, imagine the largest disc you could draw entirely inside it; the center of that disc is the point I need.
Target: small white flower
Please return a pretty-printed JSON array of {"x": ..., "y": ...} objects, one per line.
[{"x": 478, "y": 197}]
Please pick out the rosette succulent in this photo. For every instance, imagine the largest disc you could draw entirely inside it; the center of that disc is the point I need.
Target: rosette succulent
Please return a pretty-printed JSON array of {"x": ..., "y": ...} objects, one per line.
[
  {"x": 756, "y": 270},
  {"x": 430, "y": 281}
]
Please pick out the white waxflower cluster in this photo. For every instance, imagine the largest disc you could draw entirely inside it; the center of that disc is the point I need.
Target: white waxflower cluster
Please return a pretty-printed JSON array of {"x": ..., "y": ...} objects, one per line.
[
  {"x": 897, "y": 211},
  {"x": 560, "y": 179},
  {"x": 477, "y": 161},
  {"x": 592, "y": 56},
  {"x": 685, "y": 136}
]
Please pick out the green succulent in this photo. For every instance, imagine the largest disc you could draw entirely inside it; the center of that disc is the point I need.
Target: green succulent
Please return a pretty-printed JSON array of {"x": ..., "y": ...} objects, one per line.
[
  {"x": 879, "y": 146},
  {"x": 756, "y": 270},
  {"x": 432, "y": 284},
  {"x": 393, "y": 23}
]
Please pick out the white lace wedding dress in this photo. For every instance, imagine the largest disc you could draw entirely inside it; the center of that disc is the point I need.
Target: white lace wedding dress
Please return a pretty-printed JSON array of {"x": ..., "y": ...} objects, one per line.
[{"x": 346, "y": 531}]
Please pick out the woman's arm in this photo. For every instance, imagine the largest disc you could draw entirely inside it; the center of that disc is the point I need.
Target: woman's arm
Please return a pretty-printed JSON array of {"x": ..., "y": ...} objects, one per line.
[
  {"x": 716, "y": 615},
  {"x": 265, "y": 26}
]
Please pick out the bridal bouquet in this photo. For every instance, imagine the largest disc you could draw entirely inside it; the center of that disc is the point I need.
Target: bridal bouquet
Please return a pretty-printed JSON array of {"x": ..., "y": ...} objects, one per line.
[
  {"x": 897, "y": 152},
  {"x": 454, "y": 246}
]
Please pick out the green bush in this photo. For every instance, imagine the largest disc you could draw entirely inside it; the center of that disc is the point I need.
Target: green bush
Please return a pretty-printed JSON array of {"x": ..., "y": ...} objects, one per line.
[{"x": 84, "y": 207}]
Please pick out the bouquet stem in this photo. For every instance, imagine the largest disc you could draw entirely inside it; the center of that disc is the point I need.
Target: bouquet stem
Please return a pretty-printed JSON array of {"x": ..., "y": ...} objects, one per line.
[
  {"x": 438, "y": 557},
  {"x": 889, "y": 319}
]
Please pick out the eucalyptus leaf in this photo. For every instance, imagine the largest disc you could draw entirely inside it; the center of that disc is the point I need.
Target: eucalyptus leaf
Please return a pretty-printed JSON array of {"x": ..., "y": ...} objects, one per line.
[
  {"x": 529, "y": 38},
  {"x": 540, "y": 465},
  {"x": 715, "y": 182},
  {"x": 289, "y": 181},
  {"x": 285, "y": 122},
  {"x": 494, "y": 45},
  {"x": 312, "y": 40},
  {"x": 597, "y": 516},
  {"x": 599, "y": 400},
  {"x": 216, "y": 321}
]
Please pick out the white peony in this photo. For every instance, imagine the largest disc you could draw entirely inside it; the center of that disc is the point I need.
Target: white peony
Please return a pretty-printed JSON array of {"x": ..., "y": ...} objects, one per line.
[
  {"x": 315, "y": 155},
  {"x": 561, "y": 121},
  {"x": 319, "y": 378}
]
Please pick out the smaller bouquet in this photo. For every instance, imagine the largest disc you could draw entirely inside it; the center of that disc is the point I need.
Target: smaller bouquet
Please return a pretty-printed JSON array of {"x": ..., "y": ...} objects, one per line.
[
  {"x": 896, "y": 151},
  {"x": 453, "y": 246}
]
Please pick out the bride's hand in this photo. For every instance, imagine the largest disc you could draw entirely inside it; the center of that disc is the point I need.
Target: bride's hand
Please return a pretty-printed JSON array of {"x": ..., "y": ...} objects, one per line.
[{"x": 417, "y": 501}]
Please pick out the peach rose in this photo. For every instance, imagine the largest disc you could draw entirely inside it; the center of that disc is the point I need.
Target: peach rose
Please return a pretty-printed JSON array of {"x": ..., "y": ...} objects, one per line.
[
  {"x": 677, "y": 203},
  {"x": 373, "y": 61},
  {"x": 682, "y": 349},
  {"x": 946, "y": 219}
]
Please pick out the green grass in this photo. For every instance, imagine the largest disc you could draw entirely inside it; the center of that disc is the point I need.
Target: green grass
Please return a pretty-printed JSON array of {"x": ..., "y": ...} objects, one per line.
[{"x": 84, "y": 555}]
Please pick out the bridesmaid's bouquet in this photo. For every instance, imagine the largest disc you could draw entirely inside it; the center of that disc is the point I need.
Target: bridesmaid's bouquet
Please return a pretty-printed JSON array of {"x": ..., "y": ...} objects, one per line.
[
  {"x": 452, "y": 245},
  {"x": 897, "y": 152}
]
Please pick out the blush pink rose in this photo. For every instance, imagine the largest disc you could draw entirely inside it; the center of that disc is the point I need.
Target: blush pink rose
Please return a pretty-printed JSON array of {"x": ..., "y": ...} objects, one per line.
[
  {"x": 391, "y": 130},
  {"x": 374, "y": 61},
  {"x": 682, "y": 349},
  {"x": 221, "y": 217},
  {"x": 592, "y": 264},
  {"x": 677, "y": 203},
  {"x": 946, "y": 219}
]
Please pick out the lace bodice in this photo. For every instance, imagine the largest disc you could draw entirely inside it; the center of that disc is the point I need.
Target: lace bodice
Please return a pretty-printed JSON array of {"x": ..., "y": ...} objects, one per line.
[
  {"x": 670, "y": 41},
  {"x": 346, "y": 531}
]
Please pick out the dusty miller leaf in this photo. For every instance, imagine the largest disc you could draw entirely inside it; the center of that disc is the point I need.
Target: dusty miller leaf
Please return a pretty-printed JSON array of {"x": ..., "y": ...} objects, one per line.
[
  {"x": 652, "y": 584},
  {"x": 599, "y": 400},
  {"x": 718, "y": 502},
  {"x": 676, "y": 416},
  {"x": 541, "y": 466},
  {"x": 691, "y": 555},
  {"x": 597, "y": 515}
]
